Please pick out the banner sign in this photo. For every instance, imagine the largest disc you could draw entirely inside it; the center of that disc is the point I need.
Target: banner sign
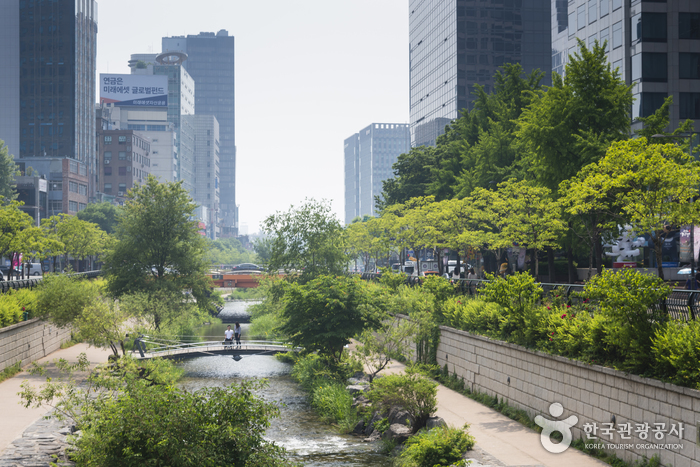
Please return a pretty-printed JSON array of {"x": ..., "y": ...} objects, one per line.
[{"x": 134, "y": 90}]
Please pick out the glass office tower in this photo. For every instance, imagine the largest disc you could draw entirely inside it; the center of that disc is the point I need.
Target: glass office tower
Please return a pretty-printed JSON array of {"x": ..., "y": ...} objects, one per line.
[
  {"x": 211, "y": 63},
  {"x": 455, "y": 44},
  {"x": 655, "y": 45}
]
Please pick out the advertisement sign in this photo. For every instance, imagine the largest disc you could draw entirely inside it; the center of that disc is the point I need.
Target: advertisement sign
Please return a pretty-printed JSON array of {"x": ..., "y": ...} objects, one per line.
[
  {"x": 685, "y": 243},
  {"x": 134, "y": 90}
]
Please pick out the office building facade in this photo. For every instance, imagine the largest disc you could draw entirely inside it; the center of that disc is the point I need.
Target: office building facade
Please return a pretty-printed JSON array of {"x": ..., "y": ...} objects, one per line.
[
  {"x": 369, "y": 155},
  {"x": 655, "y": 45},
  {"x": 455, "y": 44},
  {"x": 211, "y": 63},
  {"x": 47, "y": 90},
  {"x": 123, "y": 160},
  {"x": 207, "y": 170}
]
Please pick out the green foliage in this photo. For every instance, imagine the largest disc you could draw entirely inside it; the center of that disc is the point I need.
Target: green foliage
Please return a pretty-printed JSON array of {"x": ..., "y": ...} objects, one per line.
[
  {"x": 377, "y": 347},
  {"x": 441, "y": 446},
  {"x": 628, "y": 299},
  {"x": 19, "y": 234},
  {"x": 332, "y": 402},
  {"x": 308, "y": 240},
  {"x": 76, "y": 237},
  {"x": 415, "y": 393},
  {"x": 323, "y": 314},
  {"x": 8, "y": 171},
  {"x": 158, "y": 246},
  {"x": 13, "y": 305},
  {"x": 105, "y": 215},
  {"x": 473, "y": 315},
  {"x": 152, "y": 422},
  {"x": 517, "y": 295},
  {"x": 392, "y": 280},
  {"x": 441, "y": 289},
  {"x": 412, "y": 177},
  {"x": 61, "y": 298},
  {"x": 10, "y": 371},
  {"x": 229, "y": 251},
  {"x": 676, "y": 349}
]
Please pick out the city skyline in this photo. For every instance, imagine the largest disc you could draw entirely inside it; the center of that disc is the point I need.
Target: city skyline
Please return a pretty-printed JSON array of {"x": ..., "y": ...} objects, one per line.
[{"x": 309, "y": 73}]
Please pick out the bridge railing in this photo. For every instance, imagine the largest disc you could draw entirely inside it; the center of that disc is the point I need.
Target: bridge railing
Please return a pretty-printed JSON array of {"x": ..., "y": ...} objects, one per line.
[
  {"x": 6, "y": 286},
  {"x": 156, "y": 347}
]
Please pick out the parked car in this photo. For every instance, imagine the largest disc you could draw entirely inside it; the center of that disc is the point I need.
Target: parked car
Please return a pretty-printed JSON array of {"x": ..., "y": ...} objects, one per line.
[
  {"x": 247, "y": 267},
  {"x": 34, "y": 269}
]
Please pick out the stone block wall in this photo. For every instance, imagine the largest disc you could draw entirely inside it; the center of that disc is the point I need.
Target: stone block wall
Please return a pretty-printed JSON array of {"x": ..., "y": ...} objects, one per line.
[
  {"x": 29, "y": 341},
  {"x": 533, "y": 381}
]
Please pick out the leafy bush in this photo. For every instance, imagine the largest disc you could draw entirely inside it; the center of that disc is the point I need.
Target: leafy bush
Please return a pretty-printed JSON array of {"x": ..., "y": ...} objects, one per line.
[
  {"x": 62, "y": 298},
  {"x": 676, "y": 348},
  {"x": 473, "y": 315},
  {"x": 518, "y": 295},
  {"x": 629, "y": 301},
  {"x": 392, "y": 280},
  {"x": 14, "y": 303},
  {"x": 333, "y": 403},
  {"x": 441, "y": 446},
  {"x": 441, "y": 289},
  {"x": 413, "y": 392}
]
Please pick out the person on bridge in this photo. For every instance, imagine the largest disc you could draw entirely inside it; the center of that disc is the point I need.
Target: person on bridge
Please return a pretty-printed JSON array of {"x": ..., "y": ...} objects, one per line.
[
  {"x": 228, "y": 337},
  {"x": 237, "y": 333}
]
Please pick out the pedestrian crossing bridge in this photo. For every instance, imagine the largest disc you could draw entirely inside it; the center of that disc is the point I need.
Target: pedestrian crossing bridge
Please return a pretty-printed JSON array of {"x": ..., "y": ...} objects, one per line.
[{"x": 152, "y": 348}]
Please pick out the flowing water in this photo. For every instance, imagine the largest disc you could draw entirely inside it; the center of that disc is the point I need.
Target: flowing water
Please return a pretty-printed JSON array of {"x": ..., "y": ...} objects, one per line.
[{"x": 297, "y": 429}]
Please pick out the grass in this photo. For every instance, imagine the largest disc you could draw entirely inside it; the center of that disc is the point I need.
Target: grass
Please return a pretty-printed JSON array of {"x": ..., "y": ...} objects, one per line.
[
  {"x": 10, "y": 371},
  {"x": 69, "y": 344},
  {"x": 456, "y": 383}
]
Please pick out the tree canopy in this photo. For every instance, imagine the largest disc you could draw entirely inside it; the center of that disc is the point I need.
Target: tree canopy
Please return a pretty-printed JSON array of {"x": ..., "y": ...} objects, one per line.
[
  {"x": 105, "y": 215},
  {"x": 8, "y": 171}
]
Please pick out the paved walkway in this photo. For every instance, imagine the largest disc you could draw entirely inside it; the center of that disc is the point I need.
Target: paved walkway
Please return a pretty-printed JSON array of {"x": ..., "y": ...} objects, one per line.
[
  {"x": 15, "y": 418},
  {"x": 500, "y": 441}
]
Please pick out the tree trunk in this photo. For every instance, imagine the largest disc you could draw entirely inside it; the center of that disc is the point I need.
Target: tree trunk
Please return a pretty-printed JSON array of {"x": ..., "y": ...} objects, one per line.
[
  {"x": 573, "y": 273},
  {"x": 658, "y": 248},
  {"x": 537, "y": 264},
  {"x": 550, "y": 261},
  {"x": 598, "y": 253}
]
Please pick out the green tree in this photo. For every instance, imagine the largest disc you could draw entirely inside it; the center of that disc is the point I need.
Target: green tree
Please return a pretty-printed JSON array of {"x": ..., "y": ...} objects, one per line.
[
  {"x": 413, "y": 392},
  {"x": 8, "y": 172},
  {"x": 323, "y": 314},
  {"x": 377, "y": 347},
  {"x": 308, "y": 239},
  {"x": 105, "y": 215},
  {"x": 647, "y": 186},
  {"x": 263, "y": 249},
  {"x": 413, "y": 175},
  {"x": 572, "y": 123},
  {"x": 158, "y": 246},
  {"x": 229, "y": 251},
  {"x": 18, "y": 234}
]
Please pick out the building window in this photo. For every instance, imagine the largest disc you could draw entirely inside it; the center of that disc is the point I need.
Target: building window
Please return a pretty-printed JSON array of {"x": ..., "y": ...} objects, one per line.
[
  {"x": 581, "y": 16},
  {"x": 572, "y": 23},
  {"x": 591, "y": 41},
  {"x": 617, "y": 35},
  {"x": 122, "y": 187},
  {"x": 122, "y": 170},
  {"x": 73, "y": 167},
  {"x": 108, "y": 155},
  {"x": 649, "y": 27},
  {"x": 108, "y": 140},
  {"x": 56, "y": 186},
  {"x": 592, "y": 11},
  {"x": 122, "y": 140},
  {"x": 108, "y": 170},
  {"x": 690, "y": 105},
  {"x": 689, "y": 25},
  {"x": 647, "y": 103},
  {"x": 73, "y": 206},
  {"x": 604, "y": 8},
  {"x": 616, "y": 4},
  {"x": 73, "y": 187},
  {"x": 689, "y": 65},
  {"x": 108, "y": 187},
  {"x": 122, "y": 155},
  {"x": 605, "y": 39},
  {"x": 650, "y": 67},
  {"x": 82, "y": 189},
  {"x": 81, "y": 206}
]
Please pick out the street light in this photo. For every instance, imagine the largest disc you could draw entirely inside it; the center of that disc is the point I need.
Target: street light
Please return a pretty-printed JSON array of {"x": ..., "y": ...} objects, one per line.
[{"x": 692, "y": 227}]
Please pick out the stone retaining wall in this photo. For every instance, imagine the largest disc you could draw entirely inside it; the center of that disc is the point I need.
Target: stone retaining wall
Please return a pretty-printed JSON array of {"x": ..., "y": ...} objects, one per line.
[
  {"x": 533, "y": 381},
  {"x": 29, "y": 341}
]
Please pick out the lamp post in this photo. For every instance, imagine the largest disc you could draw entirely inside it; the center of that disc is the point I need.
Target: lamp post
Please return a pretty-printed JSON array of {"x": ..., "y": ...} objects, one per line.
[{"x": 692, "y": 226}]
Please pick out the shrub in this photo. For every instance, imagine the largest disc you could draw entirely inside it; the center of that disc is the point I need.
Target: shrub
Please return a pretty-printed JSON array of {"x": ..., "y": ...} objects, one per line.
[
  {"x": 440, "y": 446},
  {"x": 473, "y": 315},
  {"x": 629, "y": 301},
  {"x": 441, "y": 289},
  {"x": 392, "y": 280},
  {"x": 414, "y": 393},
  {"x": 14, "y": 303},
  {"x": 518, "y": 295},
  {"x": 62, "y": 298},
  {"x": 333, "y": 403},
  {"x": 676, "y": 347}
]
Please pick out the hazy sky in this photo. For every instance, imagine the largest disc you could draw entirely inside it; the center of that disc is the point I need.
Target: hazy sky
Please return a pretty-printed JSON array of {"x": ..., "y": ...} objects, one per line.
[{"x": 309, "y": 73}]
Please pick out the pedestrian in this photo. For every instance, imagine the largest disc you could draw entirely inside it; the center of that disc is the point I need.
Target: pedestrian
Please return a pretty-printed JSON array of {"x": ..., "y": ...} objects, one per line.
[
  {"x": 472, "y": 274},
  {"x": 455, "y": 272},
  {"x": 228, "y": 337},
  {"x": 691, "y": 284},
  {"x": 237, "y": 333}
]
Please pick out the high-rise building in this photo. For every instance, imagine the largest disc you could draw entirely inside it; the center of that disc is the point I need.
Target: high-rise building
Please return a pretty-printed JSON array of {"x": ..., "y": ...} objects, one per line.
[
  {"x": 369, "y": 156},
  {"x": 455, "y": 44},
  {"x": 207, "y": 172},
  {"x": 47, "y": 89},
  {"x": 655, "y": 45},
  {"x": 123, "y": 161},
  {"x": 211, "y": 63}
]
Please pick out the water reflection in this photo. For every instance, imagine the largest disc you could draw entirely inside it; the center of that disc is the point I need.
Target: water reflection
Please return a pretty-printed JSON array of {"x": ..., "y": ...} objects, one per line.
[{"x": 298, "y": 429}]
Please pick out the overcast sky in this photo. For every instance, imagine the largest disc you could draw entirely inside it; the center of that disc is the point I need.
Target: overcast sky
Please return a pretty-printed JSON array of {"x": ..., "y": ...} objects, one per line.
[{"x": 309, "y": 73}]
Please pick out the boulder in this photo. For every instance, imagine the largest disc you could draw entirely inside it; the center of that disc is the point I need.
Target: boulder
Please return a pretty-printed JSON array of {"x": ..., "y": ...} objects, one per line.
[
  {"x": 359, "y": 428},
  {"x": 401, "y": 417},
  {"x": 433, "y": 422},
  {"x": 398, "y": 433},
  {"x": 355, "y": 389},
  {"x": 375, "y": 436},
  {"x": 369, "y": 428}
]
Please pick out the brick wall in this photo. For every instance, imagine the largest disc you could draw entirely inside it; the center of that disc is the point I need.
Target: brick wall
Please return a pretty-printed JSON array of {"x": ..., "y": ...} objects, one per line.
[
  {"x": 29, "y": 341},
  {"x": 533, "y": 380}
]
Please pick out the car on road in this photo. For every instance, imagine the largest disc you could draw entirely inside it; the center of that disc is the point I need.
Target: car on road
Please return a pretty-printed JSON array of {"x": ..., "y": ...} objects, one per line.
[{"x": 247, "y": 267}]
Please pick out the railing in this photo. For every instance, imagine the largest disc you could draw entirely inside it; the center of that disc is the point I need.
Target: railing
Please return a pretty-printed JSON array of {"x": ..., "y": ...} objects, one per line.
[
  {"x": 6, "y": 286},
  {"x": 681, "y": 304},
  {"x": 158, "y": 348}
]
